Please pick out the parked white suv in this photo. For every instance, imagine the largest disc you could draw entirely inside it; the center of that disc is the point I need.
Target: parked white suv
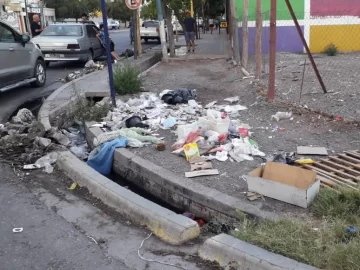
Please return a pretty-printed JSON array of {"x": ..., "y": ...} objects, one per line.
[
  {"x": 21, "y": 62},
  {"x": 150, "y": 30}
]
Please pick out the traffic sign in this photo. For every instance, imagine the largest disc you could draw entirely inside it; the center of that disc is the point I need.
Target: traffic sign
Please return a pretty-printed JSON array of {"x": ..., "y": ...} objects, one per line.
[
  {"x": 133, "y": 4},
  {"x": 223, "y": 24}
]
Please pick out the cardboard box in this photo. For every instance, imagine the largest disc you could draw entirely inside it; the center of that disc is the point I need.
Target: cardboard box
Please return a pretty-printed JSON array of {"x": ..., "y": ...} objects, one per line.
[{"x": 285, "y": 183}]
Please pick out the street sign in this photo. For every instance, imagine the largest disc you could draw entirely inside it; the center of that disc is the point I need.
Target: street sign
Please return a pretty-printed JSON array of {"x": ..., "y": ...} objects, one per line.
[
  {"x": 223, "y": 24},
  {"x": 133, "y": 4}
]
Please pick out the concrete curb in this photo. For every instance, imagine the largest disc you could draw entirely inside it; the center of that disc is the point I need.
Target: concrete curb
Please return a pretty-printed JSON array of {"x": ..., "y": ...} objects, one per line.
[
  {"x": 178, "y": 190},
  {"x": 47, "y": 114},
  {"x": 226, "y": 250},
  {"x": 167, "y": 225}
]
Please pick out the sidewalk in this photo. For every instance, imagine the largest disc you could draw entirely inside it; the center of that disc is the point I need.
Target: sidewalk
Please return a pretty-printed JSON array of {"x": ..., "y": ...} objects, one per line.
[
  {"x": 215, "y": 44},
  {"x": 208, "y": 46}
]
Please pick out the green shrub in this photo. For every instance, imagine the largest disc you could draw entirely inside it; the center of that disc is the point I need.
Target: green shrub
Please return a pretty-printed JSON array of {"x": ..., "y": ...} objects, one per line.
[
  {"x": 331, "y": 50},
  {"x": 87, "y": 110},
  {"x": 127, "y": 79}
]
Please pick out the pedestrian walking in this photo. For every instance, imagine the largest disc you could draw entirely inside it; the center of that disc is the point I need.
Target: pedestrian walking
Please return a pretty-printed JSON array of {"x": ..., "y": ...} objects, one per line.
[
  {"x": 35, "y": 26},
  {"x": 216, "y": 24},
  {"x": 190, "y": 28},
  {"x": 101, "y": 37},
  {"x": 211, "y": 25}
]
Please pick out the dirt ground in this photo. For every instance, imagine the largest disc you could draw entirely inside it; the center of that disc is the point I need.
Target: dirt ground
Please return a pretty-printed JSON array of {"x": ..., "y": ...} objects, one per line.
[
  {"x": 216, "y": 80},
  {"x": 339, "y": 73}
]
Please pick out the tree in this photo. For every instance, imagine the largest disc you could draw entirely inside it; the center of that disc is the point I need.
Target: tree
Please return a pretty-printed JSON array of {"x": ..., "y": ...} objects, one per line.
[
  {"x": 118, "y": 10},
  {"x": 73, "y": 8},
  {"x": 149, "y": 11}
]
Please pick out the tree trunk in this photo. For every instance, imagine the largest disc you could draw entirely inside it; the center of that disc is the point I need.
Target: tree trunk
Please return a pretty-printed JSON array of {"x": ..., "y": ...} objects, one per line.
[{"x": 170, "y": 30}]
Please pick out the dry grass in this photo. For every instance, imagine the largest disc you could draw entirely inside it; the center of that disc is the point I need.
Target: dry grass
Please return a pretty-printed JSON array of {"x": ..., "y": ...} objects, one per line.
[{"x": 326, "y": 246}]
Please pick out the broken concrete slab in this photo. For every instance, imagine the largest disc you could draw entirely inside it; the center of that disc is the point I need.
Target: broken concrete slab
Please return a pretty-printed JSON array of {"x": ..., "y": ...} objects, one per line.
[
  {"x": 44, "y": 142},
  {"x": 308, "y": 150},
  {"x": 60, "y": 138}
]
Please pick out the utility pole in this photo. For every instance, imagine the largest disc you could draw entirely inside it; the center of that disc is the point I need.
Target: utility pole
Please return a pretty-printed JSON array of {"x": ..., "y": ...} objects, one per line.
[
  {"x": 245, "y": 34},
  {"x": 162, "y": 31},
  {"x": 108, "y": 53},
  {"x": 192, "y": 8},
  {"x": 234, "y": 34},
  {"x": 138, "y": 40},
  {"x": 258, "y": 40},
  {"x": 272, "y": 60},
  {"x": 134, "y": 24}
]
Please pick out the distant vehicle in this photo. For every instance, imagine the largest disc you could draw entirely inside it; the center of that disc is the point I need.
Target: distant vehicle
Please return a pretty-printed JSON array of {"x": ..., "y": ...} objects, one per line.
[
  {"x": 150, "y": 30},
  {"x": 112, "y": 24},
  {"x": 21, "y": 61},
  {"x": 69, "y": 42},
  {"x": 177, "y": 26}
]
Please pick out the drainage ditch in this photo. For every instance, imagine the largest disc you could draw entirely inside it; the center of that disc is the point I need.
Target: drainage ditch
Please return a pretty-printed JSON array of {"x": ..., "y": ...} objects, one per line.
[{"x": 79, "y": 147}]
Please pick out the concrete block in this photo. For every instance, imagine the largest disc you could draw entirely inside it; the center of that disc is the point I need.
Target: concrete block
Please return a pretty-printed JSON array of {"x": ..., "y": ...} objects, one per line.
[
  {"x": 226, "y": 249},
  {"x": 167, "y": 225},
  {"x": 182, "y": 192}
]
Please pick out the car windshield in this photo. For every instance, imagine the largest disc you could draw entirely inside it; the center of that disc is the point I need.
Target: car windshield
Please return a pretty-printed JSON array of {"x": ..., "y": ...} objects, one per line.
[
  {"x": 151, "y": 24},
  {"x": 63, "y": 30}
]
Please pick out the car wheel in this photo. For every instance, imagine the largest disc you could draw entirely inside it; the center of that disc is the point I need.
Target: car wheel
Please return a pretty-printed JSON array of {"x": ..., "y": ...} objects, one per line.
[
  {"x": 39, "y": 74},
  {"x": 89, "y": 56}
]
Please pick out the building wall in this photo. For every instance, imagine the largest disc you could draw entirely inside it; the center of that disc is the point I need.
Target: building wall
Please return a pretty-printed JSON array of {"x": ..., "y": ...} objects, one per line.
[{"x": 323, "y": 22}]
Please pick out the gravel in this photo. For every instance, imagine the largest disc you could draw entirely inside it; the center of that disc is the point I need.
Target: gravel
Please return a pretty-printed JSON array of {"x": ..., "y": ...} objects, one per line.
[
  {"x": 217, "y": 80},
  {"x": 339, "y": 73}
]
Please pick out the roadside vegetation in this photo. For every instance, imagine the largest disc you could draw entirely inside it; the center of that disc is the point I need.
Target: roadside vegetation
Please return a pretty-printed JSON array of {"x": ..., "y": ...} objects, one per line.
[
  {"x": 332, "y": 241},
  {"x": 87, "y": 110},
  {"x": 331, "y": 50},
  {"x": 127, "y": 79}
]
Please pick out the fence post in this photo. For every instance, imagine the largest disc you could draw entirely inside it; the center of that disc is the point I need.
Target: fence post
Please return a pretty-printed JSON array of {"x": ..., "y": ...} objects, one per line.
[
  {"x": 272, "y": 61},
  {"x": 317, "y": 73},
  {"x": 245, "y": 34},
  {"x": 235, "y": 33},
  {"x": 258, "y": 40}
]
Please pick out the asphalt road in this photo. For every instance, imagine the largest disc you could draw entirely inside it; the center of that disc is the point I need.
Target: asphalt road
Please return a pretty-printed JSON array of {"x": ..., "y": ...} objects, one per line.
[{"x": 13, "y": 99}]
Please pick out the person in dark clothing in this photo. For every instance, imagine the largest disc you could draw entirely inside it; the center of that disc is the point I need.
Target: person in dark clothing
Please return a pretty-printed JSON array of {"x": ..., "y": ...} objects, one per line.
[
  {"x": 101, "y": 37},
  {"x": 190, "y": 28},
  {"x": 36, "y": 29},
  {"x": 84, "y": 18}
]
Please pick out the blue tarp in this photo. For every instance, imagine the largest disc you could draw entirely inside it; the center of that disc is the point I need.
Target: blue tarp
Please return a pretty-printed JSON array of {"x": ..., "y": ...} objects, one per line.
[{"x": 103, "y": 160}]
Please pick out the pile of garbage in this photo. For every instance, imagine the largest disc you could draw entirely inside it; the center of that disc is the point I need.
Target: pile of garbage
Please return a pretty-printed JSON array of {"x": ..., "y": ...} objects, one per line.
[
  {"x": 23, "y": 140},
  {"x": 89, "y": 67},
  {"x": 204, "y": 132}
]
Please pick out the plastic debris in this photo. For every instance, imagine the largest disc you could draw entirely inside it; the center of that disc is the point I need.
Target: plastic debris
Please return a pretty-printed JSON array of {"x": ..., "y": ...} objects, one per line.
[
  {"x": 80, "y": 151},
  {"x": 181, "y": 95},
  {"x": 73, "y": 186},
  {"x": 281, "y": 115},
  {"x": 191, "y": 150},
  {"x": 232, "y": 99},
  {"x": 18, "y": 230},
  {"x": 193, "y": 104},
  {"x": 135, "y": 121},
  {"x": 222, "y": 156},
  {"x": 170, "y": 122},
  {"x": 44, "y": 162}
]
